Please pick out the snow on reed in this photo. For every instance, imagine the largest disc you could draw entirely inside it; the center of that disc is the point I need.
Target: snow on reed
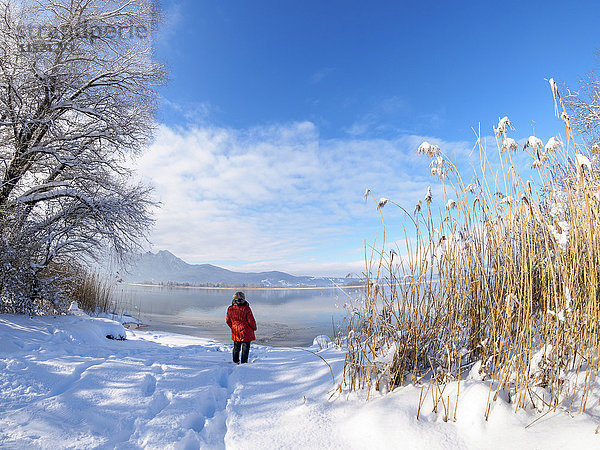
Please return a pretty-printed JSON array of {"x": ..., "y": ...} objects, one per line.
[{"x": 501, "y": 290}]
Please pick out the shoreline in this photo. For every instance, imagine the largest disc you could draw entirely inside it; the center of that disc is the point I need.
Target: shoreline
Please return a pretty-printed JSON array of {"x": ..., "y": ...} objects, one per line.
[
  {"x": 246, "y": 288},
  {"x": 272, "y": 334}
]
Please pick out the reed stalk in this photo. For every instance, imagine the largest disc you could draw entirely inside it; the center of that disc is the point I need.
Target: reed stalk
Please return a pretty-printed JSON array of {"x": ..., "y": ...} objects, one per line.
[{"x": 502, "y": 276}]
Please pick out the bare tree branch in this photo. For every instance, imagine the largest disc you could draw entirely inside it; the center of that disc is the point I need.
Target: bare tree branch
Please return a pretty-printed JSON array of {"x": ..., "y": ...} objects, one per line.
[{"x": 583, "y": 107}]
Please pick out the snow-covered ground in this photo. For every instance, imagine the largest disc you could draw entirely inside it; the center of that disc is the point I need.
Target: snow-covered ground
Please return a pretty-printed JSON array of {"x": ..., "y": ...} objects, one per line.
[{"x": 64, "y": 384}]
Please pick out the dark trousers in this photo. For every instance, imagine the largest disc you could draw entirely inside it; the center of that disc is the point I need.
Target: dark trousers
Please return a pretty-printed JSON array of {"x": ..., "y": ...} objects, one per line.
[{"x": 245, "y": 347}]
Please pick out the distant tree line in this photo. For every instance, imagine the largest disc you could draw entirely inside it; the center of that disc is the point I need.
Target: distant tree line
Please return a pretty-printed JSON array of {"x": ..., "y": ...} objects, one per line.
[{"x": 234, "y": 285}]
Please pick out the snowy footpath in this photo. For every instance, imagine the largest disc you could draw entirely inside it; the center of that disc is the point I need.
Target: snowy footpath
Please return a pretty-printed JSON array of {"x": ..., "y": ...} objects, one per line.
[{"x": 63, "y": 384}]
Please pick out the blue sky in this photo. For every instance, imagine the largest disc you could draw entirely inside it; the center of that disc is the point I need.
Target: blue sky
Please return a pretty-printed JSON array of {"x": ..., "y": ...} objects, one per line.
[{"x": 278, "y": 114}]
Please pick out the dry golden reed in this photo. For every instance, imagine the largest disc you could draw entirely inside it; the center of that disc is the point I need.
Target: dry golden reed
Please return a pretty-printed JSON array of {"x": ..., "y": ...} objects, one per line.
[{"x": 501, "y": 283}]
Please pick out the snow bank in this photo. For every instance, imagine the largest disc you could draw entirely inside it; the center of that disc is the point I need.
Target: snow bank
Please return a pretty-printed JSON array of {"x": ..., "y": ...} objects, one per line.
[
  {"x": 21, "y": 332},
  {"x": 63, "y": 384},
  {"x": 122, "y": 318},
  {"x": 322, "y": 341}
]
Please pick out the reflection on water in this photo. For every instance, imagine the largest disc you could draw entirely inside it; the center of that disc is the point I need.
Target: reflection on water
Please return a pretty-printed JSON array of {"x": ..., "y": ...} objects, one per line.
[{"x": 285, "y": 317}]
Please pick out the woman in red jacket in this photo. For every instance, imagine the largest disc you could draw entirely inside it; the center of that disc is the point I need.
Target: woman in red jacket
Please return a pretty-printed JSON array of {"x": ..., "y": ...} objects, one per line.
[{"x": 242, "y": 324}]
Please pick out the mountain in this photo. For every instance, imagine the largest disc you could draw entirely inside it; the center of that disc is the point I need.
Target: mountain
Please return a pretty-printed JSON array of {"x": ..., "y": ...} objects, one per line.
[{"x": 165, "y": 267}]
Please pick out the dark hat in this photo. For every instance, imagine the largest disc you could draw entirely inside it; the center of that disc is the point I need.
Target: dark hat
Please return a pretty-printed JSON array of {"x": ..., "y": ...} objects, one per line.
[{"x": 239, "y": 296}]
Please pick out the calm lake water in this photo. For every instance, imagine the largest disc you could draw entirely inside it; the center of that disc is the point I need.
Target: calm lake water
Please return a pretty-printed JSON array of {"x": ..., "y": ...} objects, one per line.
[{"x": 285, "y": 317}]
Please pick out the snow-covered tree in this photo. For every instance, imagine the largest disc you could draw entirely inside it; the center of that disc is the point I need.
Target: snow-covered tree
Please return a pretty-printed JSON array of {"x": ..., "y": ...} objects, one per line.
[
  {"x": 583, "y": 107},
  {"x": 78, "y": 94}
]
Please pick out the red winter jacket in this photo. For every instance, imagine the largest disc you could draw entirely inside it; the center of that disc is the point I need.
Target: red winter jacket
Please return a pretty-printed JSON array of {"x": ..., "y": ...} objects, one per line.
[{"x": 242, "y": 323}]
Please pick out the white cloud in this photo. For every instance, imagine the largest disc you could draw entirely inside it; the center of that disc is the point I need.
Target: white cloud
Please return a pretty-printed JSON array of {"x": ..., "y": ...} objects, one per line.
[
  {"x": 172, "y": 18},
  {"x": 320, "y": 74},
  {"x": 276, "y": 197},
  {"x": 191, "y": 111}
]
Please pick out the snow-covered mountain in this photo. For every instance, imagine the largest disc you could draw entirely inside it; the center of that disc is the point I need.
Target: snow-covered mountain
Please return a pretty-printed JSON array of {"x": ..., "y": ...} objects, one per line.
[{"x": 163, "y": 267}]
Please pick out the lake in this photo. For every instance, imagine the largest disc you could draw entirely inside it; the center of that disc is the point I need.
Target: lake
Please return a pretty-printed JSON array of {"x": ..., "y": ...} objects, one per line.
[{"x": 285, "y": 317}]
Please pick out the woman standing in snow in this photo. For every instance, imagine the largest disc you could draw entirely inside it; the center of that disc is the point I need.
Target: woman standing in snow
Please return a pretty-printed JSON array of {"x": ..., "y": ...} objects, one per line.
[{"x": 242, "y": 324}]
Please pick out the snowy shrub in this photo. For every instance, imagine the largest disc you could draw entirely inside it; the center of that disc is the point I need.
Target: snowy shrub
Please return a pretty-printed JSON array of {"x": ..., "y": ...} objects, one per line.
[{"x": 89, "y": 290}]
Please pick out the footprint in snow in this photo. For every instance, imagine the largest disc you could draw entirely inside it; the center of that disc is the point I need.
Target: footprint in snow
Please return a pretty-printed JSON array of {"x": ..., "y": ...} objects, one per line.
[
  {"x": 148, "y": 385},
  {"x": 224, "y": 379},
  {"x": 158, "y": 369},
  {"x": 159, "y": 402},
  {"x": 194, "y": 422},
  {"x": 206, "y": 410}
]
